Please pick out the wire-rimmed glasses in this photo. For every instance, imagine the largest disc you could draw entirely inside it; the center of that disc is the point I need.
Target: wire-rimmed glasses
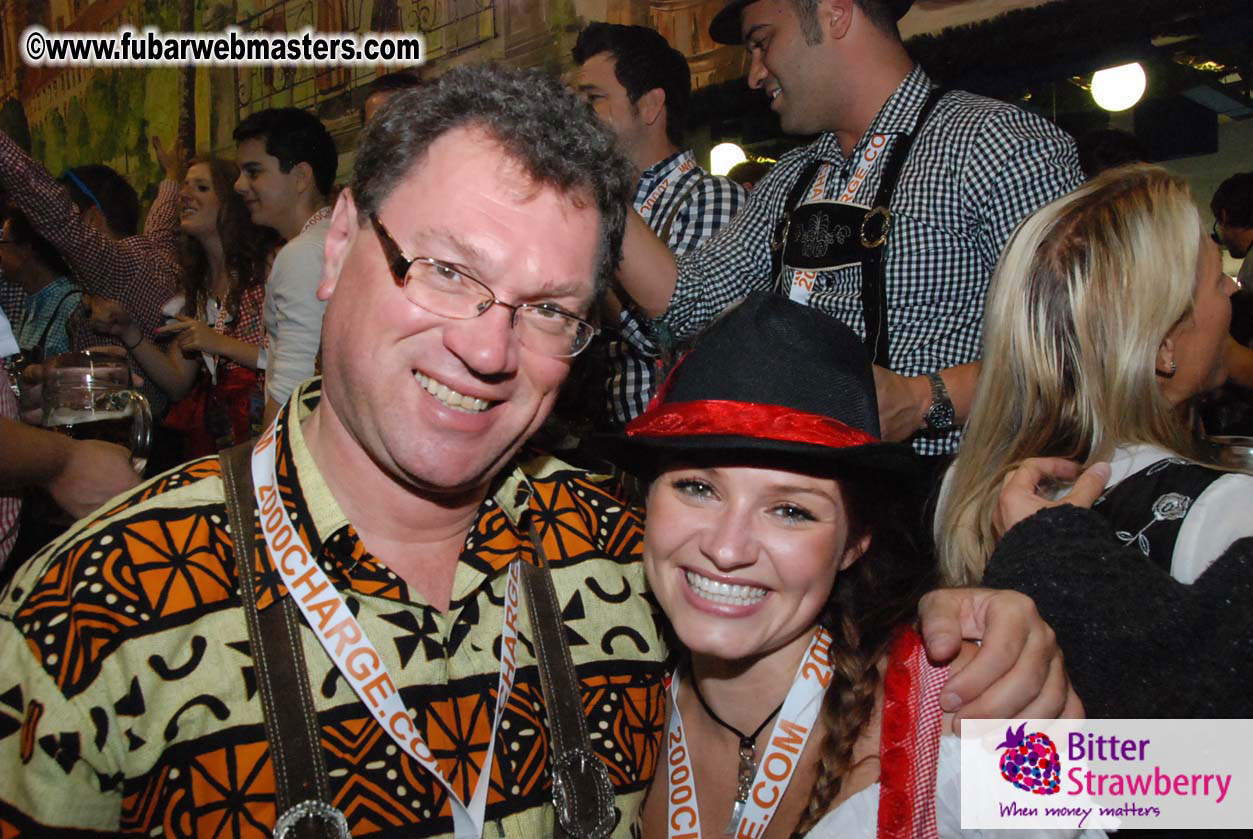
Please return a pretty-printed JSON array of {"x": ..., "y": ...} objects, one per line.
[{"x": 444, "y": 289}]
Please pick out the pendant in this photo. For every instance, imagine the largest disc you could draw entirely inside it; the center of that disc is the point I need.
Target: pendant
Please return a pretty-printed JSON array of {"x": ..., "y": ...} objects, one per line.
[
  {"x": 747, "y": 771},
  {"x": 737, "y": 813}
]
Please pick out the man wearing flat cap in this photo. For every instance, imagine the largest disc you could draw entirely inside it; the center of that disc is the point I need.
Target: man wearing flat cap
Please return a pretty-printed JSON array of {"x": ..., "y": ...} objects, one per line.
[{"x": 891, "y": 220}]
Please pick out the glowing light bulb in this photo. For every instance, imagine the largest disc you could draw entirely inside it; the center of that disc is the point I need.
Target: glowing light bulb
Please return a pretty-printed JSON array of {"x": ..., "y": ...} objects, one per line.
[
  {"x": 1118, "y": 88},
  {"x": 723, "y": 156}
]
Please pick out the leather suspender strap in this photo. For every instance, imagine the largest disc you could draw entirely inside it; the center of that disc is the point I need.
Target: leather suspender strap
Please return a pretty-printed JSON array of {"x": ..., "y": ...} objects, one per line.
[
  {"x": 291, "y": 725},
  {"x": 779, "y": 240},
  {"x": 874, "y": 291},
  {"x": 582, "y": 791}
]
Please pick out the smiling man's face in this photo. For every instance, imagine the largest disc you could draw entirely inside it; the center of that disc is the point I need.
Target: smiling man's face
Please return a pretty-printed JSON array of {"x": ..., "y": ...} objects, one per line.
[
  {"x": 439, "y": 403},
  {"x": 269, "y": 193},
  {"x": 785, "y": 65}
]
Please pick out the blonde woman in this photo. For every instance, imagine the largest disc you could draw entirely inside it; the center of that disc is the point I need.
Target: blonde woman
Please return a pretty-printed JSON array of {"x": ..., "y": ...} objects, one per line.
[{"x": 1107, "y": 316}]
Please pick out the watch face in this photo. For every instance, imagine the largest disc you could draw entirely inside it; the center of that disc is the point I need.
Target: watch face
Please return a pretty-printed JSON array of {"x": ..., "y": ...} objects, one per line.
[{"x": 941, "y": 417}]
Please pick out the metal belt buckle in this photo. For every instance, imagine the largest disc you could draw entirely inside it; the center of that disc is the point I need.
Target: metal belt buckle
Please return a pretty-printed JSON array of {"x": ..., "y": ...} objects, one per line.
[
  {"x": 583, "y": 795},
  {"x": 315, "y": 809},
  {"x": 886, "y": 215}
]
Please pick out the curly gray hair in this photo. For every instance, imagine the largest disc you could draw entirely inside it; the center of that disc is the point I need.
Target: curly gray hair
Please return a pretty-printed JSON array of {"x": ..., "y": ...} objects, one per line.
[{"x": 540, "y": 122}]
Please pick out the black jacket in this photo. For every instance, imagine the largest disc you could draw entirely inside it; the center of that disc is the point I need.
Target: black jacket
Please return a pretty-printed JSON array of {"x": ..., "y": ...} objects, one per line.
[{"x": 1138, "y": 643}]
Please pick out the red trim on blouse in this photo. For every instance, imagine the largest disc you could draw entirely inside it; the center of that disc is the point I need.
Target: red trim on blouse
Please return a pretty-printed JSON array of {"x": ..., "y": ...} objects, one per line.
[{"x": 909, "y": 741}]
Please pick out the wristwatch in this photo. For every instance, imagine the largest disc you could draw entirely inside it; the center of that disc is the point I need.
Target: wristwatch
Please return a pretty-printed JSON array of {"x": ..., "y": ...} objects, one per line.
[{"x": 940, "y": 416}]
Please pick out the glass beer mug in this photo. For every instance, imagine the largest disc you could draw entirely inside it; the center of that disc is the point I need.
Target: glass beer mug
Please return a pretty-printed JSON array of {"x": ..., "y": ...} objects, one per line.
[{"x": 88, "y": 395}]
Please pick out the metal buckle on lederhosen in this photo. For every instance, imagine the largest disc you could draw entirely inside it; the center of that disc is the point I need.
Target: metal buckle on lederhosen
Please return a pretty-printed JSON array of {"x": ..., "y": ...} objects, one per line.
[{"x": 828, "y": 235}]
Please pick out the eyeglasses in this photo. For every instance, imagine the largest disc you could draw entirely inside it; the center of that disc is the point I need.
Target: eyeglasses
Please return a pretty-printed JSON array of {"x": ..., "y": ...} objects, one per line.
[
  {"x": 448, "y": 291},
  {"x": 1213, "y": 234}
]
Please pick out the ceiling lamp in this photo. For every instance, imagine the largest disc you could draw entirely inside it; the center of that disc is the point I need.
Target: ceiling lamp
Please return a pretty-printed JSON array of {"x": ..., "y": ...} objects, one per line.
[
  {"x": 1118, "y": 88},
  {"x": 723, "y": 156}
]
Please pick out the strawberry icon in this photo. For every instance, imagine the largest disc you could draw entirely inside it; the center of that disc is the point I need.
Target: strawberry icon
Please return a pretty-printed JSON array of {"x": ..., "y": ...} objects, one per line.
[{"x": 1029, "y": 761}]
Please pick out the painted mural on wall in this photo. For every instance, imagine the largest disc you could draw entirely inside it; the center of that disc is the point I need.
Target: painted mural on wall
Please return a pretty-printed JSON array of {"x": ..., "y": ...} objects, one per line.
[
  {"x": 73, "y": 116},
  {"x": 86, "y": 115}
]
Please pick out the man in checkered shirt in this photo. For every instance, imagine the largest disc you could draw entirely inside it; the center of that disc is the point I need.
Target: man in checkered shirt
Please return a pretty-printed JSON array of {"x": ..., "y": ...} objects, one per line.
[
  {"x": 639, "y": 87},
  {"x": 837, "y": 68},
  {"x": 91, "y": 215}
]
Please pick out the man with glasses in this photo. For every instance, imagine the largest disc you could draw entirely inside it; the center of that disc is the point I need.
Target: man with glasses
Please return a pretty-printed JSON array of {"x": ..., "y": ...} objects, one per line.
[
  {"x": 395, "y": 507},
  {"x": 484, "y": 217}
]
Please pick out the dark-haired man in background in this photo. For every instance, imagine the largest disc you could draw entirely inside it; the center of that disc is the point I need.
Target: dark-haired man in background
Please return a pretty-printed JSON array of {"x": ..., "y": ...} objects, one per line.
[
  {"x": 1231, "y": 410},
  {"x": 1232, "y": 206},
  {"x": 287, "y": 162},
  {"x": 639, "y": 86},
  {"x": 913, "y": 275},
  {"x": 50, "y": 293}
]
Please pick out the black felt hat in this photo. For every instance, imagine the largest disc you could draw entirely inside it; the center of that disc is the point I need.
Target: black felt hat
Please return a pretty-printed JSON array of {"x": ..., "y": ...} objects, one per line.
[
  {"x": 772, "y": 382},
  {"x": 725, "y": 28}
]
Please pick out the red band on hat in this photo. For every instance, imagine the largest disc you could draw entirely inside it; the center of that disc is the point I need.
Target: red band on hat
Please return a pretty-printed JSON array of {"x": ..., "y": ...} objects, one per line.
[{"x": 728, "y": 418}]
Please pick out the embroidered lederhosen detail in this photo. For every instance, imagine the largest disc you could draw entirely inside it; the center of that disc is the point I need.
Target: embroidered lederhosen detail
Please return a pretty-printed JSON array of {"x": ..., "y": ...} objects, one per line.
[
  {"x": 1147, "y": 508},
  {"x": 827, "y": 235}
]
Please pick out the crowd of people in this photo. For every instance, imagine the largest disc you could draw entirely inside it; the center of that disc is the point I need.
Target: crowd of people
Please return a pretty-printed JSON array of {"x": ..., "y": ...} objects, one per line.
[{"x": 794, "y": 428}]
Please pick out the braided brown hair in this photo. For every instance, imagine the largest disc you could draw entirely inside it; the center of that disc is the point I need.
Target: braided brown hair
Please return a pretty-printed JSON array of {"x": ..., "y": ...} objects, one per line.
[{"x": 870, "y": 600}]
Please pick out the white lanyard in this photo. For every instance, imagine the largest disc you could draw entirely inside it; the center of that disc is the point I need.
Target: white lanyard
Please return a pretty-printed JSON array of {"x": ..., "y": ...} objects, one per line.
[
  {"x": 686, "y": 164},
  {"x": 778, "y": 764},
  {"x": 347, "y": 645},
  {"x": 800, "y": 284}
]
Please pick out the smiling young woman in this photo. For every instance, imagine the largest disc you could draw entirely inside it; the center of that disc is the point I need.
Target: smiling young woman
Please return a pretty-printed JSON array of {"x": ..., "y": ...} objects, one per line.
[
  {"x": 212, "y": 363},
  {"x": 777, "y": 545}
]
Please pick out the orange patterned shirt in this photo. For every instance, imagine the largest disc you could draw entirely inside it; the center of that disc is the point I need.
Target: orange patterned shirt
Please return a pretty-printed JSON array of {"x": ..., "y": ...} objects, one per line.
[{"x": 127, "y": 696}]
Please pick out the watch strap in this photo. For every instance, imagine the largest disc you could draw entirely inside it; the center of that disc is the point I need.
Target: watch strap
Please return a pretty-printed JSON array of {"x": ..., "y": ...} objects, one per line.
[{"x": 941, "y": 416}]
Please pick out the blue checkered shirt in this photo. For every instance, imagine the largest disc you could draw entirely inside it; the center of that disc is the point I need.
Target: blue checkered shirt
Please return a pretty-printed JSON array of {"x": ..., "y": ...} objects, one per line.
[
  {"x": 977, "y": 169},
  {"x": 46, "y": 317},
  {"x": 697, "y": 205}
]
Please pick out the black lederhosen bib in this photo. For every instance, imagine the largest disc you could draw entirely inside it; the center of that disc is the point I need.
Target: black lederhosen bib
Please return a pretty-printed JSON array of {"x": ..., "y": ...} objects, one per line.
[{"x": 828, "y": 235}]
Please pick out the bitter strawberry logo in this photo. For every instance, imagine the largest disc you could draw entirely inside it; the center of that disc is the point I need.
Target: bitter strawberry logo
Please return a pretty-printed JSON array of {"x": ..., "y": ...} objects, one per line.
[{"x": 1030, "y": 762}]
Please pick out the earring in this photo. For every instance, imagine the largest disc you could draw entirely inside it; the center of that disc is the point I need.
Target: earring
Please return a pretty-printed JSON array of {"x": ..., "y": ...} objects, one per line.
[{"x": 1171, "y": 373}]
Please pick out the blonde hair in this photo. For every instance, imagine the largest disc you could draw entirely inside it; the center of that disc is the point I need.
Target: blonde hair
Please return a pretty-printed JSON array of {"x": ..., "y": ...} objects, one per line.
[{"x": 1084, "y": 294}]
